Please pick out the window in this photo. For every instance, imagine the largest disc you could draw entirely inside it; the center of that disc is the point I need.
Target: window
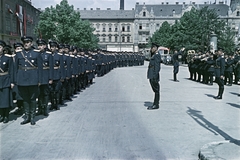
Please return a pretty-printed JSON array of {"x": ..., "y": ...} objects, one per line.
[
  {"x": 110, "y": 38},
  {"x": 123, "y": 39},
  {"x": 116, "y": 38},
  {"x": 116, "y": 29},
  {"x": 158, "y": 25},
  {"x": 104, "y": 30},
  {"x": 123, "y": 28},
  {"x": 147, "y": 25},
  {"x": 110, "y": 30},
  {"x": 238, "y": 13},
  {"x": 144, "y": 14},
  {"x": 128, "y": 28},
  {"x": 128, "y": 38},
  {"x": 140, "y": 26},
  {"x": 104, "y": 39}
]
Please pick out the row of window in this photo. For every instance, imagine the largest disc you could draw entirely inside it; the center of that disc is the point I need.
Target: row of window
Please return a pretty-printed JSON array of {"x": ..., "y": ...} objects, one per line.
[
  {"x": 110, "y": 29},
  {"x": 116, "y": 39}
]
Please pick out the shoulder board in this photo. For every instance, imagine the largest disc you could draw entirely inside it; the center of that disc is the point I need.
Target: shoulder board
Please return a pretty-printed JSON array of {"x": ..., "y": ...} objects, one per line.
[
  {"x": 71, "y": 55},
  {"x": 19, "y": 50},
  {"x": 36, "y": 50},
  {"x": 66, "y": 54},
  {"x": 13, "y": 55},
  {"x": 60, "y": 54},
  {"x": 78, "y": 56},
  {"x": 8, "y": 55},
  {"x": 48, "y": 52}
]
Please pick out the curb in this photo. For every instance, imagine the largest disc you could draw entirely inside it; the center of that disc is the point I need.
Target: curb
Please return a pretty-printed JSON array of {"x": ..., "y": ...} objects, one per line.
[{"x": 207, "y": 151}]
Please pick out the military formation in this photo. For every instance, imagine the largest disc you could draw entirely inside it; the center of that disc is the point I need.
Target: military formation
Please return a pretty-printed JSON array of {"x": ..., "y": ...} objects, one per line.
[
  {"x": 219, "y": 67},
  {"x": 43, "y": 78}
]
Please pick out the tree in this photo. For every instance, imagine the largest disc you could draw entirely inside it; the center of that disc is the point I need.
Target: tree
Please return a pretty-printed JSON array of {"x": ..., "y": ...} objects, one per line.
[
  {"x": 63, "y": 24},
  {"x": 193, "y": 31}
]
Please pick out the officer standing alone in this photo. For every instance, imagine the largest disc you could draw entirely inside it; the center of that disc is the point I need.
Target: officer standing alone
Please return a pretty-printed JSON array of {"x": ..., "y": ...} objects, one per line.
[{"x": 153, "y": 75}]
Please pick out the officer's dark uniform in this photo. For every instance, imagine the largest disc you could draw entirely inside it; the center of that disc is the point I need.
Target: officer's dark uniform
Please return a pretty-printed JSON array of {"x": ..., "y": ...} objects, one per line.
[
  {"x": 153, "y": 76},
  {"x": 46, "y": 77},
  {"x": 219, "y": 72},
  {"x": 6, "y": 79},
  {"x": 176, "y": 64},
  {"x": 58, "y": 74},
  {"x": 229, "y": 71},
  {"x": 29, "y": 68},
  {"x": 210, "y": 70}
]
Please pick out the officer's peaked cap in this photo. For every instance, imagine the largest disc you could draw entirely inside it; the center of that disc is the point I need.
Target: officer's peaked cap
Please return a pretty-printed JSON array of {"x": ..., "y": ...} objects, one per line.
[
  {"x": 155, "y": 45},
  {"x": 41, "y": 41},
  {"x": 26, "y": 38},
  {"x": 53, "y": 43},
  {"x": 67, "y": 46},
  {"x": 2, "y": 43},
  {"x": 17, "y": 44}
]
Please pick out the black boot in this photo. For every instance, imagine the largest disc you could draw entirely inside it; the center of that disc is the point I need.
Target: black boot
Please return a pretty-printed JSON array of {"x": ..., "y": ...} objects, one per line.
[
  {"x": 1, "y": 115},
  {"x": 45, "y": 111},
  {"x": 6, "y": 115},
  {"x": 27, "y": 113},
  {"x": 40, "y": 110},
  {"x": 220, "y": 93},
  {"x": 33, "y": 112}
]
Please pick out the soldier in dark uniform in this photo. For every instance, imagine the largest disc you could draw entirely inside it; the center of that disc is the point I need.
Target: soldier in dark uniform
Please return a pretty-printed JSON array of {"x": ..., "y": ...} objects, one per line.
[
  {"x": 46, "y": 77},
  {"x": 176, "y": 63},
  {"x": 29, "y": 68},
  {"x": 6, "y": 83},
  {"x": 210, "y": 69},
  {"x": 19, "y": 110},
  {"x": 153, "y": 75},
  {"x": 229, "y": 70},
  {"x": 219, "y": 72},
  {"x": 237, "y": 66},
  {"x": 58, "y": 75}
]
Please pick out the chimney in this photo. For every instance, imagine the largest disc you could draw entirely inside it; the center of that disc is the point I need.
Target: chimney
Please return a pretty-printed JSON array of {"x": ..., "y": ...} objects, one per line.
[
  {"x": 108, "y": 9},
  {"x": 121, "y": 4},
  {"x": 177, "y": 3}
]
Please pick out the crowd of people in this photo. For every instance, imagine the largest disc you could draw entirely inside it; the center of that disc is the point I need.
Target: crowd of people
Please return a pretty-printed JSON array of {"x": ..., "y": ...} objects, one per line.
[
  {"x": 219, "y": 67},
  {"x": 50, "y": 73}
]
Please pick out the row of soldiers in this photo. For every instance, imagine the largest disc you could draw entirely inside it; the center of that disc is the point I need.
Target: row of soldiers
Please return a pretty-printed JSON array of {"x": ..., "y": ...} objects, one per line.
[
  {"x": 51, "y": 73},
  {"x": 202, "y": 67}
]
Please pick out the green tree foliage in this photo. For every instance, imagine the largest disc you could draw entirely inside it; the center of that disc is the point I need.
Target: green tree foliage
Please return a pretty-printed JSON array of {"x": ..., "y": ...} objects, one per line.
[
  {"x": 193, "y": 31},
  {"x": 63, "y": 24}
]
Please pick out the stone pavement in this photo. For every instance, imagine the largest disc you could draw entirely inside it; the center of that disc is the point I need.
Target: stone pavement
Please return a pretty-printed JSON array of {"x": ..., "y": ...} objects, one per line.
[{"x": 109, "y": 120}]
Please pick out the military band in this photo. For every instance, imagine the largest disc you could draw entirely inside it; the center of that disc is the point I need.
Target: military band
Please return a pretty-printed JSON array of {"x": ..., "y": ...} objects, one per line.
[{"x": 43, "y": 79}]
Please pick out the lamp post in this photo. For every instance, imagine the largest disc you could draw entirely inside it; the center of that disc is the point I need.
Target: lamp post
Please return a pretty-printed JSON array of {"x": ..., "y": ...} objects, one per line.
[{"x": 213, "y": 42}]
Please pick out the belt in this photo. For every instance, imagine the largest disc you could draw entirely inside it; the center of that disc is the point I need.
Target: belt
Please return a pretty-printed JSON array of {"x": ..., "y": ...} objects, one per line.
[
  {"x": 3, "y": 73},
  {"x": 45, "y": 67},
  {"x": 150, "y": 66},
  {"x": 27, "y": 68},
  {"x": 212, "y": 66},
  {"x": 57, "y": 67}
]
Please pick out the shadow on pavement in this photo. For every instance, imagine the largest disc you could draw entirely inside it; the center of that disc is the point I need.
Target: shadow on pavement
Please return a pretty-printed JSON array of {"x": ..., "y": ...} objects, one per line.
[
  {"x": 196, "y": 116},
  {"x": 147, "y": 104},
  {"x": 234, "y": 105},
  {"x": 234, "y": 93},
  {"x": 210, "y": 95}
]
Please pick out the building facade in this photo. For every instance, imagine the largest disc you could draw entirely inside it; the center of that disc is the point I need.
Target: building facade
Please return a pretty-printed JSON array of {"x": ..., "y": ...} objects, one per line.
[
  {"x": 17, "y": 18},
  {"x": 145, "y": 19}
]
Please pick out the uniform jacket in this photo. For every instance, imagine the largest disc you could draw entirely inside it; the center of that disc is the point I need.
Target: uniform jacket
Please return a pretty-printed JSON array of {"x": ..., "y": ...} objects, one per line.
[
  {"x": 219, "y": 66},
  {"x": 154, "y": 67},
  {"x": 6, "y": 71},
  {"x": 58, "y": 72},
  {"x": 66, "y": 65},
  {"x": 28, "y": 67},
  {"x": 47, "y": 67}
]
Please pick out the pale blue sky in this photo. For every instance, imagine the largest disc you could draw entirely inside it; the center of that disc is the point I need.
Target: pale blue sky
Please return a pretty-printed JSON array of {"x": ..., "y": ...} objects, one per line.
[{"x": 113, "y": 4}]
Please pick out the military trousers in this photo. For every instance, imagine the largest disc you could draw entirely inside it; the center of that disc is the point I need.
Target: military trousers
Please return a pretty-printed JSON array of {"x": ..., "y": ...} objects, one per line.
[{"x": 156, "y": 89}]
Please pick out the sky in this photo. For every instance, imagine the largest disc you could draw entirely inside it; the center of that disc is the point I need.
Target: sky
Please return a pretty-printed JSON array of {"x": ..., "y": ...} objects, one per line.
[{"x": 113, "y": 4}]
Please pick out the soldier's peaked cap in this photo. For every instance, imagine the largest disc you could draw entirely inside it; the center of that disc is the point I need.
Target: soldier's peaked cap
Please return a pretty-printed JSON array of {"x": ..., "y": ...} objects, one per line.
[
  {"x": 155, "y": 45},
  {"x": 53, "y": 43},
  {"x": 17, "y": 44},
  {"x": 41, "y": 41},
  {"x": 26, "y": 38},
  {"x": 2, "y": 43}
]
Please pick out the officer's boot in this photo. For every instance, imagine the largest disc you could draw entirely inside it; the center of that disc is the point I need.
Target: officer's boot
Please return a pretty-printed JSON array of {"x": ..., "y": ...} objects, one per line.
[
  {"x": 6, "y": 115},
  {"x": 52, "y": 101},
  {"x": 61, "y": 97},
  {"x": 56, "y": 101},
  {"x": 45, "y": 106},
  {"x": 1, "y": 115},
  {"x": 27, "y": 113},
  {"x": 175, "y": 77},
  {"x": 33, "y": 105},
  {"x": 220, "y": 93},
  {"x": 40, "y": 107}
]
